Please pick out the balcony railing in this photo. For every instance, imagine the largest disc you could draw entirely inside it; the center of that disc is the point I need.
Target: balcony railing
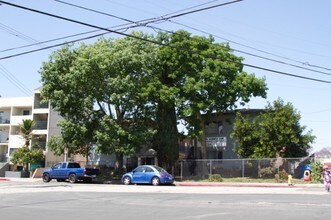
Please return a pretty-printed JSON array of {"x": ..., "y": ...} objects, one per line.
[
  {"x": 42, "y": 144},
  {"x": 40, "y": 125},
  {"x": 3, "y": 158},
  {"x": 3, "y": 139},
  {"x": 41, "y": 105},
  {"x": 4, "y": 120}
]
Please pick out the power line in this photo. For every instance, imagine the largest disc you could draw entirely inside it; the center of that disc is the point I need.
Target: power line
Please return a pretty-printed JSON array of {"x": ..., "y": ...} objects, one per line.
[
  {"x": 48, "y": 41},
  {"x": 254, "y": 55},
  {"x": 196, "y": 6},
  {"x": 94, "y": 26},
  {"x": 89, "y": 9},
  {"x": 60, "y": 44},
  {"x": 253, "y": 48},
  {"x": 161, "y": 44},
  {"x": 164, "y": 17},
  {"x": 14, "y": 80}
]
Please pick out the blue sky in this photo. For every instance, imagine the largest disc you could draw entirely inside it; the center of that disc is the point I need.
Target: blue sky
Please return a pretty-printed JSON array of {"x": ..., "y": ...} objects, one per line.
[{"x": 293, "y": 32}]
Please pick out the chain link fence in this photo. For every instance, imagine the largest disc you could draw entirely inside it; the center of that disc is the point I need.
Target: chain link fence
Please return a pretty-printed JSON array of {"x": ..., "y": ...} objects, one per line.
[
  {"x": 235, "y": 168},
  {"x": 227, "y": 168}
]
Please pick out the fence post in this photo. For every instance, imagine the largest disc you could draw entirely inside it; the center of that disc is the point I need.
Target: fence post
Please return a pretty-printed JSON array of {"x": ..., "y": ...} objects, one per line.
[
  {"x": 243, "y": 168},
  {"x": 181, "y": 170},
  {"x": 210, "y": 165}
]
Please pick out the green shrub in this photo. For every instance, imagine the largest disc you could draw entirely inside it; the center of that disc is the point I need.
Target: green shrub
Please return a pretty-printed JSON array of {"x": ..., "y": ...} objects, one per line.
[
  {"x": 215, "y": 178},
  {"x": 316, "y": 171},
  {"x": 267, "y": 172},
  {"x": 283, "y": 175}
]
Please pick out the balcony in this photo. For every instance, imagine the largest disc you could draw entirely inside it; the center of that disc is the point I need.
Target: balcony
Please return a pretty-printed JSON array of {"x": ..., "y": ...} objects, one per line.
[
  {"x": 40, "y": 125},
  {"x": 4, "y": 120},
  {"x": 3, "y": 158},
  {"x": 41, "y": 144},
  {"x": 3, "y": 140},
  {"x": 38, "y": 104}
]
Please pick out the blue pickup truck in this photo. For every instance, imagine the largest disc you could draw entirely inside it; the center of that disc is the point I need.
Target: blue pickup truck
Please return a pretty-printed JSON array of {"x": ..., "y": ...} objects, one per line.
[{"x": 70, "y": 171}]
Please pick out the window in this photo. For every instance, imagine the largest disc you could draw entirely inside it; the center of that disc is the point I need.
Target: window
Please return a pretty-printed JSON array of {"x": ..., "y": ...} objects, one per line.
[
  {"x": 57, "y": 166},
  {"x": 26, "y": 112},
  {"x": 73, "y": 165},
  {"x": 219, "y": 154},
  {"x": 140, "y": 169}
]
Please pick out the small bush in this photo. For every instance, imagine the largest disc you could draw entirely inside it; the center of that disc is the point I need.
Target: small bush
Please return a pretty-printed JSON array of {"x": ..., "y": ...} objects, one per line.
[
  {"x": 215, "y": 178},
  {"x": 316, "y": 171},
  {"x": 283, "y": 175},
  {"x": 277, "y": 177},
  {"x": 267, "y": 172}
]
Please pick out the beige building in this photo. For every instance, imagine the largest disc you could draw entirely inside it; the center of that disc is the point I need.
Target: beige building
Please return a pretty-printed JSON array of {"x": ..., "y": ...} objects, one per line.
[{"x": 12, "y": 112}]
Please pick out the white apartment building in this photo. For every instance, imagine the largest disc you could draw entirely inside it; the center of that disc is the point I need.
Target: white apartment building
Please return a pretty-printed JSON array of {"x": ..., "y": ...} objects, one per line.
[{"x": 13, "y": 111}]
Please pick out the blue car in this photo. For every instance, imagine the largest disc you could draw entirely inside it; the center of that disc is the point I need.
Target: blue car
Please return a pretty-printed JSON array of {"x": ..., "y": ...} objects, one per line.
[{"x": 149, "y": 174}]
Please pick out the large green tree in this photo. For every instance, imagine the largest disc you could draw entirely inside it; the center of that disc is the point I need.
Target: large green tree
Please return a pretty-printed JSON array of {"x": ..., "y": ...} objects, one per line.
[
  {"x": 276, "y": 132},
  {"x": 131, "y": 87},
  {"x": 96, "y": 89},
  {"x": 198, "y": 77}
]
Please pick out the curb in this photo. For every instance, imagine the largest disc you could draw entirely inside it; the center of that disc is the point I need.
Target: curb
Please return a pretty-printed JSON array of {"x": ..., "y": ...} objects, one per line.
[
  {"x": 262, "y": 185},
  {"x": 238, "y": 185},
  {"x": 4, "y": 179}
]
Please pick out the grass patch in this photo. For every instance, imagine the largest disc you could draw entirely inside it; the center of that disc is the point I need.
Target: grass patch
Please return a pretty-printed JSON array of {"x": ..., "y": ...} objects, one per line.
[{"x": 245, "y": 180}]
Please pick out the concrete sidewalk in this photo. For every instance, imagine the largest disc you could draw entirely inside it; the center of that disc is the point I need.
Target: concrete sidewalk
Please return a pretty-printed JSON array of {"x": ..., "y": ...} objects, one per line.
[
  {"x": 235, "y": 184},
  {"x": 199, "y": 184},
  {"x": 20, "y": 179}
]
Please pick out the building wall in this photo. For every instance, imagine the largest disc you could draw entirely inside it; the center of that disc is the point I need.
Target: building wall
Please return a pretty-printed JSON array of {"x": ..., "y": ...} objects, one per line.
[
  {"x": 219, "y": 127},
  {"x": 12, "y": 112}
]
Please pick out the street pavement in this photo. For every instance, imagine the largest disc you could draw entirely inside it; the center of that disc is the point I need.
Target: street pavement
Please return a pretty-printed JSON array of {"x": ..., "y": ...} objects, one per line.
[
  {"x": 21, "y": 185},
  {"x": 32, "y": 198}
]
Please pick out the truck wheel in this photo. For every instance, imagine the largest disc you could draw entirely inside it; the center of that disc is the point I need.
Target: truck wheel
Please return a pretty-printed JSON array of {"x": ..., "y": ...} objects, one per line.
[
  {"x": 127, "y": 180},
  {"x": 46, "y": 178},
  {"x": 72, "y": 178}
]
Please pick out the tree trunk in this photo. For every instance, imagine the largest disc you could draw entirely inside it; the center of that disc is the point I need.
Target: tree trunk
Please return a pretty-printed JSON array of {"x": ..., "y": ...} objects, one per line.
[
  {"x": 166, "y": 142},
  {"x": 119, "y": 163},
  {"x": 202, "y": 137}
]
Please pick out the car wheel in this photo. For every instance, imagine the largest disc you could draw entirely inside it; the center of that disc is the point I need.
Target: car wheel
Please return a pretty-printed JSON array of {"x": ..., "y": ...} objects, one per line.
[
  {"x": 46, "y": 178},
  {"x": 127, "y": 180},
  {"x": 72, "y": 178},
  {"x": 155, "y": 181}
]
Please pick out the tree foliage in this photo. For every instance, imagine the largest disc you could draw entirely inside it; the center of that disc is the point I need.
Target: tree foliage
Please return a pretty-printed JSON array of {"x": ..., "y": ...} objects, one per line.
[
  {"x": 26, "y": 128},
  {"x": 125, "y": 92},
  {"x": 96, "y": 89},
  {"x": 25, "y": 155},
  {"x": 199, "y": 77},
  {"x": 276, "y": 132}
]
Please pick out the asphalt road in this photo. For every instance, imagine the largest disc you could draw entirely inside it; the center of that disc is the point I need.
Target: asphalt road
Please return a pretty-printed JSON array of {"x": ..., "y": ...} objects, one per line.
[{"x": 36, "y": 200}]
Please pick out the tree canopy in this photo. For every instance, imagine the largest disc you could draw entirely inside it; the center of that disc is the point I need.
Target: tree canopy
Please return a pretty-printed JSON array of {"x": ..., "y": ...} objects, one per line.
[
  {"x": 276, "y": 132},
  {"x": 198, "y": 76},
  {"x": 97, "y": 90},
  {"x": 129, "y": 92}
]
